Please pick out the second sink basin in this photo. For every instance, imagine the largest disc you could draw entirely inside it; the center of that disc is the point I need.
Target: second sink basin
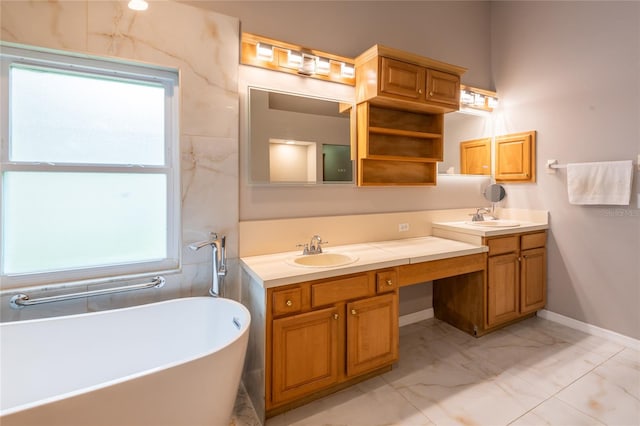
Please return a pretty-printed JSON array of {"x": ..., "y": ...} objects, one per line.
[
  {"x": 495, "y": 223},
  {"x": 323, "y": 260}
]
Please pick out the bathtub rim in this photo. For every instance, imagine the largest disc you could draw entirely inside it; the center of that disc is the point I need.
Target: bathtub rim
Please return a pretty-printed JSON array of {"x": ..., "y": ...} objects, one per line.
[{"x": 244, "y": 330}]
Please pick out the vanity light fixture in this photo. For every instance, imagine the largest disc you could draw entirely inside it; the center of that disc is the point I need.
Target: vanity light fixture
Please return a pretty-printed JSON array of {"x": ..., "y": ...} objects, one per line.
[
  {"x": 308, "y": 66},
  {"x": 264, "y": 51},
  {"x": 348, "y": 70},
  {"x": 138, "y": 5},
  {"x": 323, "y": 66},
  {"x": 480, "y": 99},
  {"x": 294, "y": 59},
  {"x": 276, "y": 55}
]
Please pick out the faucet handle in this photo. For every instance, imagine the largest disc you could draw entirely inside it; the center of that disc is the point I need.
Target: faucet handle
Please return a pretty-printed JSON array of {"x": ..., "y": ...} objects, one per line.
[
  {"x": 305, "y": 248},
  {"x": 318, "y": 247}
]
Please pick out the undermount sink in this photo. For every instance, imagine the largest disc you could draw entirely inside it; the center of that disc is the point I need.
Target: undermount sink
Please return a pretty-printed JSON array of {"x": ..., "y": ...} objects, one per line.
[
  {"x": 494, "y": 223},
  {"x": 323, "y": 260}
]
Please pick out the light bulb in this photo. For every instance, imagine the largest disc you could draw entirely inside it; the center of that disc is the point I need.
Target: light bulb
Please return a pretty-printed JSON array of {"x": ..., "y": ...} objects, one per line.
[{"x": 138, "y": 5}]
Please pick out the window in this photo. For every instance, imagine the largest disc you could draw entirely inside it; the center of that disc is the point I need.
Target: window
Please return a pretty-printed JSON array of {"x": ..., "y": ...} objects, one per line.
[{"x": 89, "y": 163}]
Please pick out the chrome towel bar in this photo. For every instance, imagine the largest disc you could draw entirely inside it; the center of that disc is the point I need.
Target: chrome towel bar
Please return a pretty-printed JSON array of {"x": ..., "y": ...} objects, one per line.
[{"x": 21, "y": 300}]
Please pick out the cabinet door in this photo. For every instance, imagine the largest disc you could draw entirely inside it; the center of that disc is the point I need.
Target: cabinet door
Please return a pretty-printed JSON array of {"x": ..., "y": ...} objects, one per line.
[
  {"x": 515, "y": 157},
  {"x": 475, "y": 157},
  {"x": 503, "y": 296},
  {"x": 402, "y": 79},
  {"x": 305, "y": 353},
  {"x": 533, "y": 280},
  {"x": 372, "y": 333},
  {"x": 443, "y": 87}
]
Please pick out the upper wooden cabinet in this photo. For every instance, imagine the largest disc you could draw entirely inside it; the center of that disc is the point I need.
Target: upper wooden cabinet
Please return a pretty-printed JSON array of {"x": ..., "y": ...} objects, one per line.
[
  {"x": 516, "y": 157},
  {"x": 401, "y": 99},
  {"x": 397, "y": 79}
]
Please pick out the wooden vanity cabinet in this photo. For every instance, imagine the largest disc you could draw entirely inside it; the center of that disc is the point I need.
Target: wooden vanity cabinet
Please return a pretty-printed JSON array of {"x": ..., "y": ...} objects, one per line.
[
  {"x": 514, "y": 286},
  {"x": 516, "y": 277},
  {"x": 325, "y": 334}
]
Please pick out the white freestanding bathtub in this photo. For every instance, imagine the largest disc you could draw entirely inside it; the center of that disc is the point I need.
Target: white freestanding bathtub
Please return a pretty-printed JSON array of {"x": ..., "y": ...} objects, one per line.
[{"x": 177, "y": 362}]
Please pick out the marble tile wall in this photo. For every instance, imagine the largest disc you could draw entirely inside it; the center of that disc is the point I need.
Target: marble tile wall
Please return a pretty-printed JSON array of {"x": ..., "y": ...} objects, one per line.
[{"x": 204, "y": 47}]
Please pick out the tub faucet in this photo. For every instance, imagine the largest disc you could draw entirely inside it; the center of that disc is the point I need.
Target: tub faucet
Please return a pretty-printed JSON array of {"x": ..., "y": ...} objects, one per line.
[{"x": 218, "y": 261}]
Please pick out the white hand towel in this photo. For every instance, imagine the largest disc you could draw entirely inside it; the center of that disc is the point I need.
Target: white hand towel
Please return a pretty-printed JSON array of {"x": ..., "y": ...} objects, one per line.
[{"x": 607, "y": 182}]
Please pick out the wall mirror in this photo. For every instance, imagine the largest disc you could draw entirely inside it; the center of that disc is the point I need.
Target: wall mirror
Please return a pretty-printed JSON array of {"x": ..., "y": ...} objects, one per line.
[{"x": 296, "y": 139}]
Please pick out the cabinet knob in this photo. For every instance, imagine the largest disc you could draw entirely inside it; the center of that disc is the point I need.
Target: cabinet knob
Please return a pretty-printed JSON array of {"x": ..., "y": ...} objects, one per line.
[
  {"x": 519, "y": 259},
  {"x": 389, "y": 282},
  {"x": 430, "y": 93},
  {"x": 420, "y": 91},
  {"x": 354, "y": 312},
  {"x": 335, "y": 316},
  {"x": 289, "y": 303}
]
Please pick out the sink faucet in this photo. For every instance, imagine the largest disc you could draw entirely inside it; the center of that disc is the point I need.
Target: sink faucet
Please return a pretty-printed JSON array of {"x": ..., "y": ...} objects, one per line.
[
  {"x": 478, "y": 216},
  {"x": 314, "y": 246}
]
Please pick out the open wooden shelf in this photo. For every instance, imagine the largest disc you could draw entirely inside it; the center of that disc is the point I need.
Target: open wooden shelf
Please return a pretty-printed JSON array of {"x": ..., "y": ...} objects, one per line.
[{"x": 398, "y": 147}]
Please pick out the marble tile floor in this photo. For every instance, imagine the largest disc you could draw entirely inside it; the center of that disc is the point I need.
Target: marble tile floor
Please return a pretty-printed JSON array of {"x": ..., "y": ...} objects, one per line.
[{"x": 536, "y": 372}]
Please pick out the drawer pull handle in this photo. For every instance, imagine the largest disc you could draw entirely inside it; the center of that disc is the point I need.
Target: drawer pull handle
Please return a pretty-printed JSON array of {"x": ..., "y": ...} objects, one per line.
[
  {"x": 289, "y": 303},
  {"x": 335, "y": 316},
  {"x": 354, "y": 312},
  {"x": 389, "y": 282},
  {"x": 430, "y": 93}
]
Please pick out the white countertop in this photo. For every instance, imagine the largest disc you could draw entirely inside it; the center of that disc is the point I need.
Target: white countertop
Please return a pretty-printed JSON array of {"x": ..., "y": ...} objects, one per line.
[
  {"x": 274, "y": 270},
  {"x": 487, "y": 231}
]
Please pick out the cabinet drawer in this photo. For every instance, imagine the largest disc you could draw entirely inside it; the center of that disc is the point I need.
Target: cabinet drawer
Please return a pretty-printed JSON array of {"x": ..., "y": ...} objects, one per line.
[
  {"x": 386, "y": 281},
  {"x": 503, "y": 245},
  {"x": 339, "y": 290},
  {"x": 530, "y": 241},
  {"x": 287, "y": 301}
]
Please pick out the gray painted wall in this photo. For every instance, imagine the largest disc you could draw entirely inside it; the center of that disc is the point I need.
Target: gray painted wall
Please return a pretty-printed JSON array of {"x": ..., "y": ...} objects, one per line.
[{"x": 572, "y": 72}]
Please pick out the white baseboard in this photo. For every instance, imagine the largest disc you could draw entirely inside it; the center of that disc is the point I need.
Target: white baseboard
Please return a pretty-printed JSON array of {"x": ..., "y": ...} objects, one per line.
[
  {"x": 627, "y": 341},
  {"x": 416, "y": 317}
]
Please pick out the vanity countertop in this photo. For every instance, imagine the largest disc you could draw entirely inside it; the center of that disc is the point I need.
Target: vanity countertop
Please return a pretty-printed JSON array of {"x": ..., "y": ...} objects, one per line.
[
  {"x": 272, "y": 270},
  {"x": 479, "y": 230}
]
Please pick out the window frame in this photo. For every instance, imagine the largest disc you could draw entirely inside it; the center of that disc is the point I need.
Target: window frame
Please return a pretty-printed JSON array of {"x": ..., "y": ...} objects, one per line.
[{"x": 11, "y": 53}]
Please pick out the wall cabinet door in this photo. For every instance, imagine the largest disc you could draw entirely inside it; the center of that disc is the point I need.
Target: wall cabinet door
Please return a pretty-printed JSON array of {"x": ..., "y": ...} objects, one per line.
[
  {"x": 372, "y": 333},
  {"x": 533, "y": 280},
  {"x": 305, "y": 353},
  {"x": 475, "y": 157},
  {"x": 443, "y": 87},
  {"x": 503, "y": 288},
  {"x": 515, "y": 157},
  {"x": 402, "y": 79}
]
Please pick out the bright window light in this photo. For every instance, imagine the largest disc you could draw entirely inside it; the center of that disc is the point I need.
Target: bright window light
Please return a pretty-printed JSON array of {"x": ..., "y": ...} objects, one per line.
[{"x": 89, "y": 184}]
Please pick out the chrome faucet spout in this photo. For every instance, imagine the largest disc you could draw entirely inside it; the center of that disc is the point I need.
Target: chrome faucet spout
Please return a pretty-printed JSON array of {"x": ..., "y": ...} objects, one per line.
[{"x": 218, "y": 261}]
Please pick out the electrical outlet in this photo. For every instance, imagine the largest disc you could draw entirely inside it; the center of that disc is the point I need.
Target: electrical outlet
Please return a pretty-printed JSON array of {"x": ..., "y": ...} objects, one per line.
[{"x": 403, "y": 227}]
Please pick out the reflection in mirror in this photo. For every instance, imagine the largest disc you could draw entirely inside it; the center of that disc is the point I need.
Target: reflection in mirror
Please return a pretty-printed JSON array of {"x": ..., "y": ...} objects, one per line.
[
  {"x": 297, "y": 140},
  {"x": 462, "y": 126}
]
